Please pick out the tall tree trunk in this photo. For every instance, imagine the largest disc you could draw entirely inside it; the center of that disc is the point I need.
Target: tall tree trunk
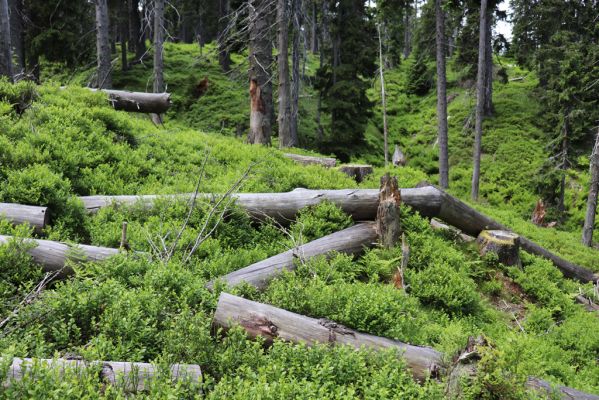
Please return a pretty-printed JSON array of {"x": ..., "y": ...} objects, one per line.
[
  {"x": 480, "y": 99},
  {"x": 314, "y": 27},
  {"x": 383, "y": 100},
  {"x": 441, "y": 97},
  {"x": 285, "y": 139},
  {"x": 224, "y": 58},
  {"x": 137, "y": 37},
  {"x": 103, "y": 45},
  {"x": 589, "y": 219},
  {"x": 295, "y": 70},
  {"x": 488, "y": 110},
  {"x": 124, "y": 33},
  {"x": 407, "y": 30},
  {"x": 260, "y": 58},
  {"x": 158, "y": 52},
  {"x": 561, "y": 206},
  {"x": 16, "y": 34},
  {"x": 6, "y": 68}
]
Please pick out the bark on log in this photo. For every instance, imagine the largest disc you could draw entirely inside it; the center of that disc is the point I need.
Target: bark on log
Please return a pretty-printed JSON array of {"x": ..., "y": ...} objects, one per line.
[
  {"x": 356, "y": 171},
  {"x": 270, "y": 322},
  {"x": 52, "y": 256},
  {"x": 141, "y": 102},
  {"x": 503, "y": 243},
  {"x": 308, "y": 160},
  {"x": 349, "y": 241},
  {"x": 388, "y": 212},
  {"x": 362, "y": 204},
  {"x": 131, "y": 376},
  {"x": 35, "y": 216}
]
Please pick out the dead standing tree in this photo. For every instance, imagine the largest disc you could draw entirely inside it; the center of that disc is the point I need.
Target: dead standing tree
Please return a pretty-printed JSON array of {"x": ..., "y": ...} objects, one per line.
[
  {"x": 589, "y": 220},
  {"x": 104, "y": 74}
]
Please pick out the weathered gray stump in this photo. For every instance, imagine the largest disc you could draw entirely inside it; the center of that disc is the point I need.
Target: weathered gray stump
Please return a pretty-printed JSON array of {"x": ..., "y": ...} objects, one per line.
[
  {"x": 131, "y": 376},
  {"x": 326, "y": 162},
  {"x": 357, "y": 171},
  {"x": 503, "y": 243},
  {"x": 398, "y": 159},
  {"x": 260, "y": 319},
  {"x": 388, "y": 212}
]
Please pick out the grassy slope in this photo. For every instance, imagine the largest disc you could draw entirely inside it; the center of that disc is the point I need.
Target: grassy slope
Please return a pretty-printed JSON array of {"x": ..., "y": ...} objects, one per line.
[{"x": 70, "y": 142}]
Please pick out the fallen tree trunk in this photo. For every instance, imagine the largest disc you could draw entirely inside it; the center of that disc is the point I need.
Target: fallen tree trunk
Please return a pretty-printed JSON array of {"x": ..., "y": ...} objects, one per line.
[
  {"x": 326, "y": 162},
  {"x": 52, "y": 256},
  {"x": 271, "y": 323},
  {"x": 362, "y": 204},
  {"x": 349, "y": 241},
  {"x": 141, "y": 102},
  {"x": 35, "y": 216},
  {"x": 130, "y": 376}
]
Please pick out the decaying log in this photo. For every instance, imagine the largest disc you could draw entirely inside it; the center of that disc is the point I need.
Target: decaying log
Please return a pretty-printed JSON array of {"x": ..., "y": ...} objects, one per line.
[
  {"x": 52, "y": 256},
  {"x": 352, "y": 240},
  {"x": 362, "y": 204},
  {"x": 388, "y": 212},
  {"x": 130, "y": 376},
  {"x": 35, "y": 216},
  {"x": 435, "y": 224},
  {"x": 260, "y": 319},
  {"x": 588, "y": 304},
  {"x": 308, "y": 160},
  {"x": 503, "y": 243},
  {"x": 141, "y": 102},
  {"x": 357, "y": 171}
]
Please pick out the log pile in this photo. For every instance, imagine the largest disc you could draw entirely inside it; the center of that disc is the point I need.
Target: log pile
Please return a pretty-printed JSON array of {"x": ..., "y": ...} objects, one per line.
[
  {"x": 17, "y": 214},
  {"x": 130, "y": 376}
]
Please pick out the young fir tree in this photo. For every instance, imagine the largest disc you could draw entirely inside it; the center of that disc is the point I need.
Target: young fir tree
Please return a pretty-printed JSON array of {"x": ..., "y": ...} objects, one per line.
[{"x": 342, "y": 80}]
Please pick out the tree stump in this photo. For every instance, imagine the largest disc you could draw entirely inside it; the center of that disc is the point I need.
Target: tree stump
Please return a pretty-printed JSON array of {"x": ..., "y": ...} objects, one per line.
[
  {"x": 398, "y": 159},
  {"x": 357, "y": 171},
  {"x": 503, "y": 243},
  {"x": 387, "y": 215}
]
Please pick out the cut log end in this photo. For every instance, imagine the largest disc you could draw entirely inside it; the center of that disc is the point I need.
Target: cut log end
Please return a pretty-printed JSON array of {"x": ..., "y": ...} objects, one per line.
[
  {"x": 503, "y": 243},
  {"x": 357, "y": 171}
]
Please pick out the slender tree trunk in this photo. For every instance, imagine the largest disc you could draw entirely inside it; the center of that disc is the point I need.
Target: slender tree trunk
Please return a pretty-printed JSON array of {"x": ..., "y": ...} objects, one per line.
[
  {"x": 285, "y": 139},
  {"x": 16, "y": 34},
  {"x": 124, "y": 33},
  {"x": 224, "y": 58},
  {"x": 295, "y": 63},
  {"x": 383, "y": 100},
  {"x": 562, "y": 192},
  {"x": 6, "y": 68},
  {"x": 488, "y": 110},
  {"x": 103, "y": 45},
  {"x": 441, "y": 97},
  {"x": 158, "y": 52},
  {"x": 137, "y": 37},
  {"x": 480, "y": 99},
  {"x": 407, "y": 30},
  {"x": 589, "y": 219},
  {"x": 314, "y": 37},
  {"x": 260, "y": 58}
]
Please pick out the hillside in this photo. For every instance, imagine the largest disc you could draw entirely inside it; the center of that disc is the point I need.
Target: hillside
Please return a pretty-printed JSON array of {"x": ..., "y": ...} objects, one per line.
[{"x": 58, "y": 144}]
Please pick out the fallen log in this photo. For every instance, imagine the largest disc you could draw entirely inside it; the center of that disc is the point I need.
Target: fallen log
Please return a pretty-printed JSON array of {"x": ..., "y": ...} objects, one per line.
[
  {"x": 362, "y": 204},
  {"x": 53, "y": 256},
  {"x": 349, "y": 241},
  {"x": 141, "y": 102},
  {"x": 270, "y": 323},
  {"x": 17, "y": 214},
  {"x": 130, "y": 376},
  {"x": 326, "y": 162},
  {"x": 357, "y": 171}
]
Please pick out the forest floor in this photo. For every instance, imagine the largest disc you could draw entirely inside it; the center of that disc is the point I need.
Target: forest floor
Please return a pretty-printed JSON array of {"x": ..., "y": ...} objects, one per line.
[{"x": 70, "y": 142}]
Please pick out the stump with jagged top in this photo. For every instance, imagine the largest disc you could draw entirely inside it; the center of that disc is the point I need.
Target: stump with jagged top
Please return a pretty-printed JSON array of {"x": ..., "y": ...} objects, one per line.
[{"x": 505, "y": 244}]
